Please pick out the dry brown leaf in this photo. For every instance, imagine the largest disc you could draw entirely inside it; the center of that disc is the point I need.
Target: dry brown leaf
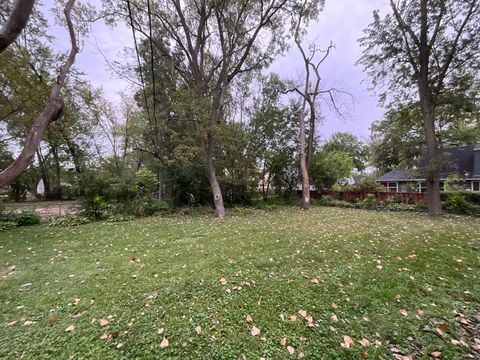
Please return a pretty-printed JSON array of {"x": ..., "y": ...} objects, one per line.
[
  {"x": 290, "y": 349},
  {"x": 70, "y": 328},
  {"x": 403, "y": 312},
  {"x": 198, "y": 329},
  {"x": 164, "y": 343},
  {"x": 335, "y": 306},
  {"x": 436, "y": 354},
  {"x": 334, "y": 317},
  {"x": 249, "y": 318},
  {"x": 223, "y": 281},
  {"x": 104, "y": 336},
  {"x": 303, "y": 313},
  {"x": 255, "y": 331},
  {"x": 347, "y": 342},
  {"x": 315, "y": 281},
  {"x": 301, "y": 355},
  {"x": 283, "y": 341},
  {"x": 103, "y": 322},
  {"x": 52, "y": 319},
  {"x": 463, "y": 320},
  {"x": 364, "y": 342},
  {"x": 293, "y": 317},
  {"x": 119, "y": 346},
  {"x": 420, "y": 312},
  {"x": 11, "y": 323}
]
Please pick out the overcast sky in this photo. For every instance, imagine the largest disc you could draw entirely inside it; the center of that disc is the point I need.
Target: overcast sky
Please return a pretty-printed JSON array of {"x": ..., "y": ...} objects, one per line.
[{"x": 341, "y": 22}]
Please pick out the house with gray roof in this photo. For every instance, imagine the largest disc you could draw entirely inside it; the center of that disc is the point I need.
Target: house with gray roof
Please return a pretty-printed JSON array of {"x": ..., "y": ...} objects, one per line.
[{"x": 461, "y": 163}]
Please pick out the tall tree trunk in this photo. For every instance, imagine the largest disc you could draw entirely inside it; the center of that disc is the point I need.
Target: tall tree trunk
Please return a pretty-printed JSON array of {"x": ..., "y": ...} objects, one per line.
[
  {"x": 303, "y": 162},
  {"x": 428, "y": 115},
  {"x": 433, "y": 161},
  {"x": 212, "y": 177},
  {"x": 160, "y": 184}
]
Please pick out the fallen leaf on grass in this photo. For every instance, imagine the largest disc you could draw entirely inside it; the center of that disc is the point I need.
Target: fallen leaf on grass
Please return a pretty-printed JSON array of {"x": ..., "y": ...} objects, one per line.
[
  {"x": 293, "y": 317},
  {"x": 119, "y": 346},
  {"x": 164, "y": 343},
  {"x": 301, "y": 355},
  {"x": 28, "y": 322},
  {"x": 335, "y": 306},
  {"x": 290, "y": 349},
  {"x": 223, "y": 281},
  {"x": 334, "y": 317},
  {"x": 441, "y": 329},
  {"x": 436, "y": 354},
  {"x": 347, "y": 342},
  {"x": 52, "y": 319},
  {"x": 403, "y": 312},
  {"x": 71, "y": 328},
  {"x": 104, "y": 336},
  {"x": 364, "y": 342},
  {"x": 103, "y": 322},
  {"x": 303, "y": 313},
  {"x": 11, "y": 323},
  {"x": 198, "y": 329},
  {"x": 249, "y": 318},
  {"x": 283, "y": 341},
  {"x": 255, "y": 331}
]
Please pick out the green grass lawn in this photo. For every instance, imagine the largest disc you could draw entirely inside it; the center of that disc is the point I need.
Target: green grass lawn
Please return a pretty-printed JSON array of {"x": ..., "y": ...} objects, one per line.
[{"x": 398, "y": 280}]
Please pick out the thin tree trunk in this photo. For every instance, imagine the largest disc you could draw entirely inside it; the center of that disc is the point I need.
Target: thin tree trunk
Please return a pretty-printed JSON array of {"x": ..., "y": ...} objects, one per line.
[
  {"x": 50, "y": 112},
  {"x": 303, "y": 162},
  {"x": 43, "y": 171},
  {"x": 212, "y": 178},
  {"x": 15, "y": 23},
  {"x": 160, "y": 185}
]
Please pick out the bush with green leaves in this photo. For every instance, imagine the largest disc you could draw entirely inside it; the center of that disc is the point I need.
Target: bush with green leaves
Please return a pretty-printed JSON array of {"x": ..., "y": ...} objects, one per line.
[
  {"x": 457, "y": 203},
  {"x": 27, "y": 218},
  {"x": 119, "y": 218},
  {"x": 68, "y": 221},
  {"x": 5, "y": 225}
]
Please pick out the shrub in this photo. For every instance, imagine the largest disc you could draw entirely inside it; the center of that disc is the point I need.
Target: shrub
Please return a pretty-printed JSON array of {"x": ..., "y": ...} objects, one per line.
[
  {"x": 369, "y": 202},
  {"x": 326, "y": 200},
  {"x": 119, "y": 218},
  {"x": 5, "y": 225},
  {"x": 69, "y": 220},
  {"x": 156, "y": 206},
  {"x": 95, "y": 206},
  {"x": 27, "y": 218},
  {"x": 457, "y": 204}
]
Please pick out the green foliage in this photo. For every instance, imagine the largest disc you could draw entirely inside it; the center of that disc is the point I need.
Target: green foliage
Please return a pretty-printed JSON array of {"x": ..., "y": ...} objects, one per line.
[
  {"x": 119, "y": 218},
  {"x": 5, "y": 225},
  {"x": 368, "y": 183},
  {"x": 457, "y": 203},
  {"x": 342, "y": 142},
  {"x": 68, "y": 221},
  {"x": 454, "y": 183},
  {"x": 27, "y": 218},
  {"x": 330, "y": 168},
  {"x": 95, "y": 206},
  {"x": 156, "y": 206}
]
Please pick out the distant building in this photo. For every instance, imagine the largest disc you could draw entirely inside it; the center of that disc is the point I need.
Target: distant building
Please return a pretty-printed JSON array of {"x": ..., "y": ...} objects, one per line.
[{"x": 460, "y": 161}]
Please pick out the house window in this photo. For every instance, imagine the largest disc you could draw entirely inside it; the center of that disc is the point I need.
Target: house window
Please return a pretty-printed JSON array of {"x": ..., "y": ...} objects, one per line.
[
  {"x": 392, "y": 186},
  {"x": 422, "y": 187},
  {"x": 476, "y": 185}
]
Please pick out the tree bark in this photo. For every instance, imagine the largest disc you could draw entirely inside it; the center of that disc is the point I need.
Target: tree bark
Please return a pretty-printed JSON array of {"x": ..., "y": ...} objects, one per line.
[
  {"x": 50, "y": 112},
  {"x": 15, "y": 23},
  {"x": 428, "y": 115},
  {"x": 303, "y": 162},
  {"x": 212, "y": 178},
  {"x": 43, "y": 170}
]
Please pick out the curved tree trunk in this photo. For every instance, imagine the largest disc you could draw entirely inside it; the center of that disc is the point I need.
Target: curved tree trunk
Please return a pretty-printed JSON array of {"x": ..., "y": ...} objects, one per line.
[
  {"x": 212, "y": 178},
  {"x": 50, "y": 112},
  {"x": 15, "y": 23}
]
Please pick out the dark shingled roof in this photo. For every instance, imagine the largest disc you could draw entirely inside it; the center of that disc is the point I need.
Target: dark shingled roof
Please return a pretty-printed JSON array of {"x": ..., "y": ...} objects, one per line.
[
  {"x": 399, "y": 174},
  {"x": 456, "y": 160}
]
